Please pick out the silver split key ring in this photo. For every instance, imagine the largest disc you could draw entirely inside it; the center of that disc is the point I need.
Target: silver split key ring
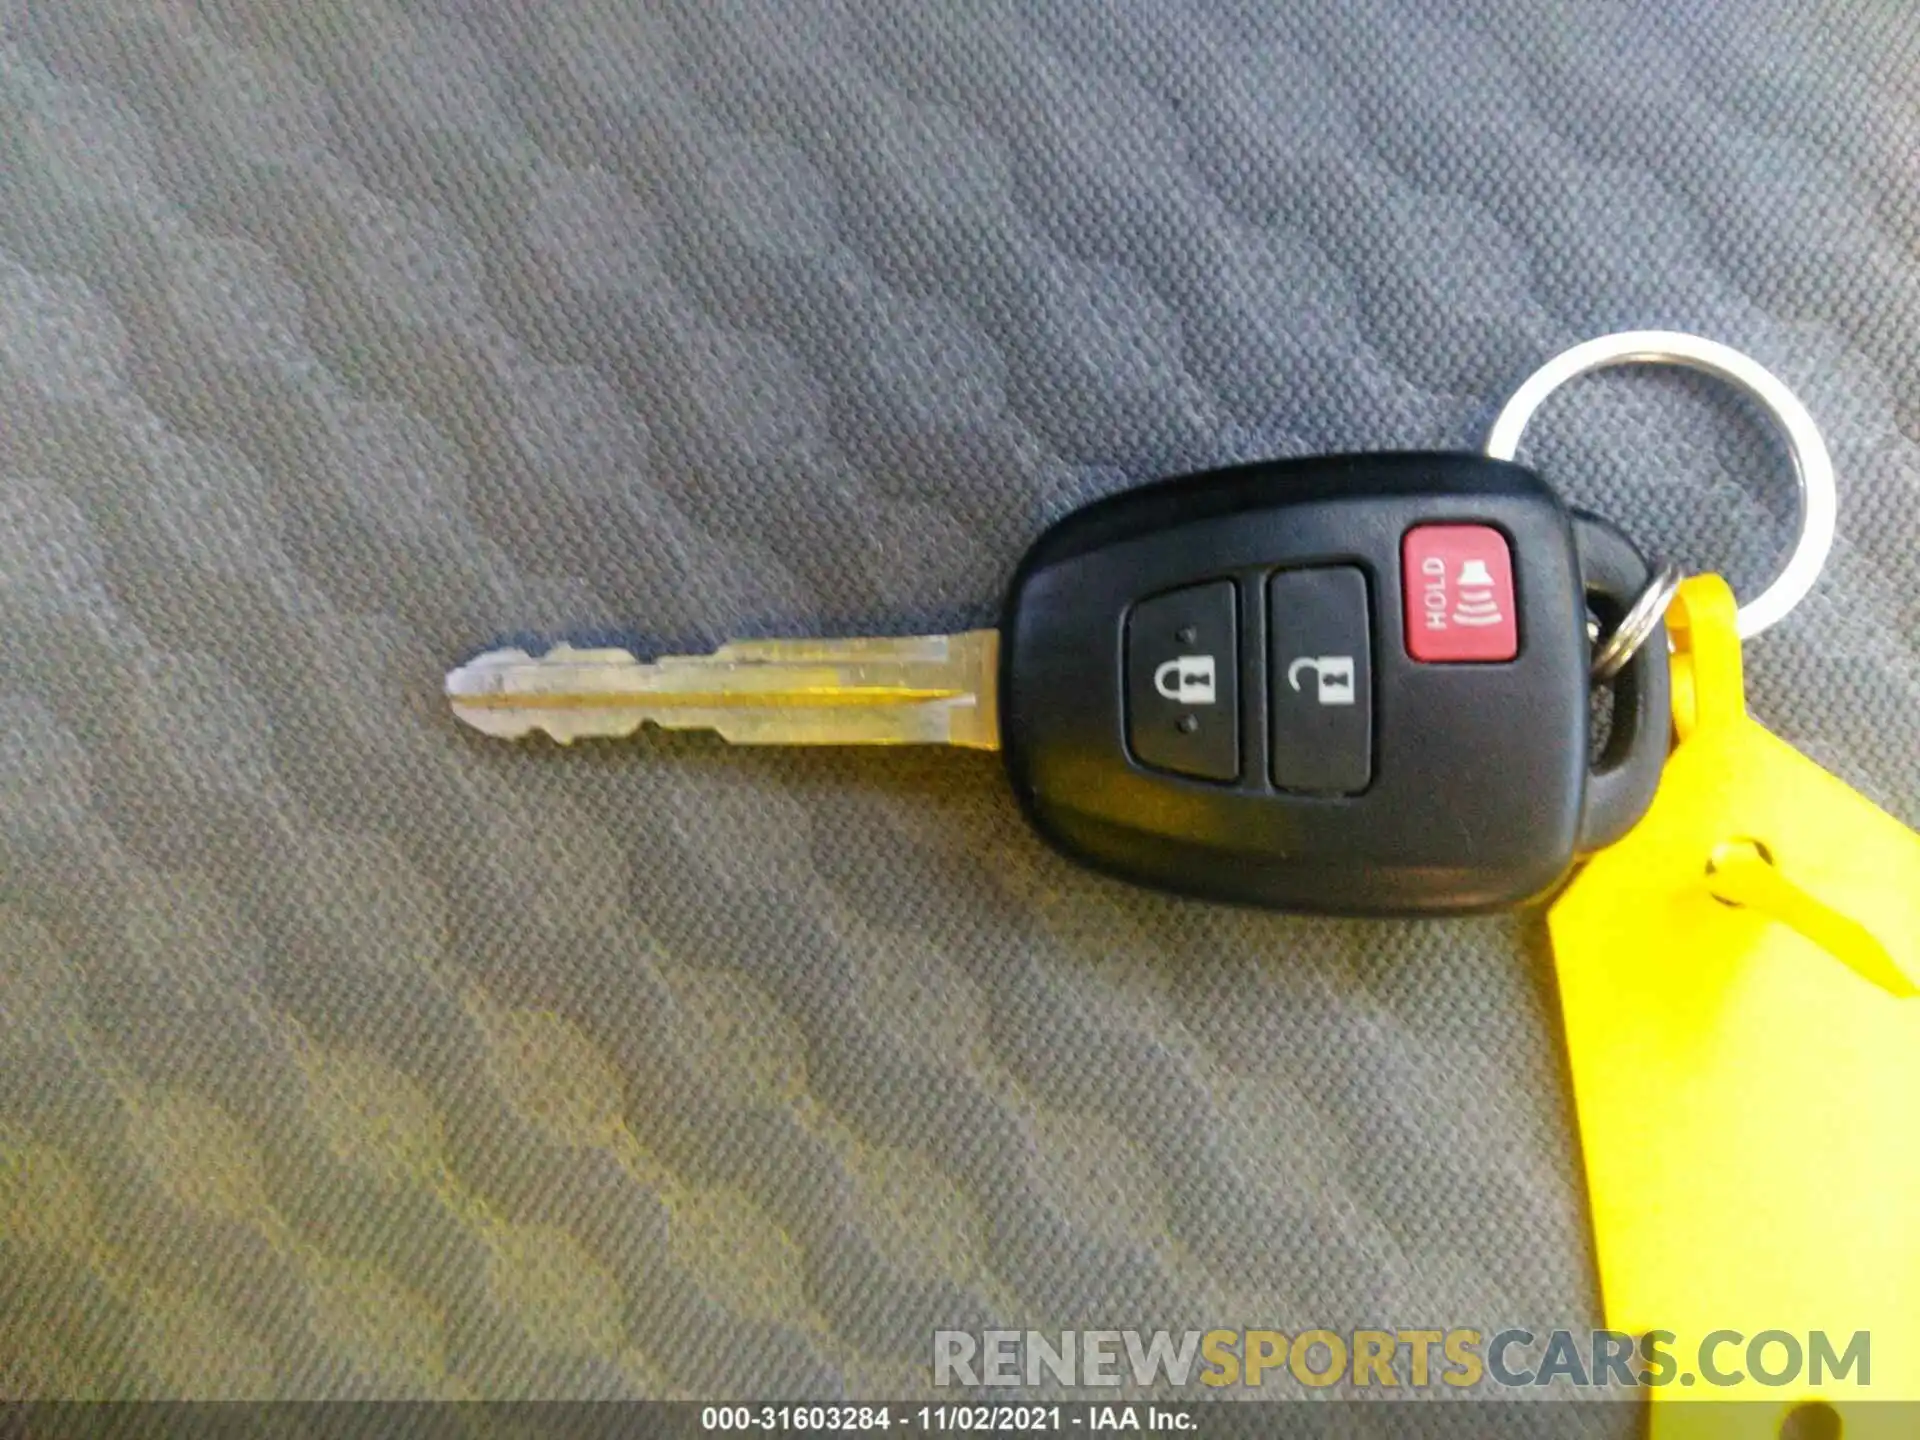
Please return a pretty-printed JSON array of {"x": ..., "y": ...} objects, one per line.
[
  {"x": 1812, "y": 467},
  {"x": 1639, "y": 625}
]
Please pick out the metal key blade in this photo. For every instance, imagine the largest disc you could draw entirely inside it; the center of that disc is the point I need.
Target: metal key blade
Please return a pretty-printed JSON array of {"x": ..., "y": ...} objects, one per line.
[{"x": 913, "y": 690}]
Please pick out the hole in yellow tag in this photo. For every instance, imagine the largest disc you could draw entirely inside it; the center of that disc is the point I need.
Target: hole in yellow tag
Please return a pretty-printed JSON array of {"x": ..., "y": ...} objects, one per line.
[{"x": 1734, "y": 852}]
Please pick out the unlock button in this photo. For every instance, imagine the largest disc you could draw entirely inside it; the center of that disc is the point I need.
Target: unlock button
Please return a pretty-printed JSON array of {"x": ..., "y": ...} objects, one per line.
[
  {"x": 1322, "y": 680},
  {"x": 1183, "y": 682}
]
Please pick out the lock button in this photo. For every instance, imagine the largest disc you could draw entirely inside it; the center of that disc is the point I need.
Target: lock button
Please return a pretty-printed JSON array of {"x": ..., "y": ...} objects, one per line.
[
  {"x": 1321, "y": 670},
  {"x": 1183, "y": 682}
]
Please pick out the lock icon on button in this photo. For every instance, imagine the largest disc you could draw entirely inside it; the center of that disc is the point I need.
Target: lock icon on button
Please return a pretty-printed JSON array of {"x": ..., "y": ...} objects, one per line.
[{"x": 1189, "y": 679}]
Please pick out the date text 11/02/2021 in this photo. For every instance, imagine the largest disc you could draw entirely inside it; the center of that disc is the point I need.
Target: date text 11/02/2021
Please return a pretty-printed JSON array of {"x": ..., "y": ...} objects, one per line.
[{"x": 947, "y": 1419}]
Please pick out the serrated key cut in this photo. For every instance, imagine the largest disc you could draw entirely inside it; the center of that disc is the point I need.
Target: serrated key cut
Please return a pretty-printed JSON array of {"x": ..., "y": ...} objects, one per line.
[{"x": 909, "y": 690}]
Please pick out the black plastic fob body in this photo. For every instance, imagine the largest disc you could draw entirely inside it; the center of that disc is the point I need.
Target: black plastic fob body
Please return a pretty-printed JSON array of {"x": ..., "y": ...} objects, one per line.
[{"x": 1352, "y": 684}]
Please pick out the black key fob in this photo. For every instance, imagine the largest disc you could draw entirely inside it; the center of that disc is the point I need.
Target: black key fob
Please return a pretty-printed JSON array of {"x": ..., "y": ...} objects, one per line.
[{"x": 1352, "y": 684}]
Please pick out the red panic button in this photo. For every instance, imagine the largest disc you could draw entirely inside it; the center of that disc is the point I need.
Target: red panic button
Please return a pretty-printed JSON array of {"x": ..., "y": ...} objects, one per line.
[{"x": 1458, "y": 580}]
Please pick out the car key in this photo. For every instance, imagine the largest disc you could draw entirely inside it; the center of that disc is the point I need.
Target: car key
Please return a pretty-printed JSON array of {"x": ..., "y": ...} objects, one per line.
[{"x": 1350, "y": 684}]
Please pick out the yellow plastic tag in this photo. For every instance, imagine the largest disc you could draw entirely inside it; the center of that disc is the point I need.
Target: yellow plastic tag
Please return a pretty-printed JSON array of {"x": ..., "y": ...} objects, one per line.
[{"x": 1736, "y": 978}]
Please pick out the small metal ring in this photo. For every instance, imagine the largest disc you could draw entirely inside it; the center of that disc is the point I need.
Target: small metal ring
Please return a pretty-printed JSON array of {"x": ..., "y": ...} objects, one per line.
[
  {"x": 1812, "y": 466},
  {"x": 1639, "y": 625}
]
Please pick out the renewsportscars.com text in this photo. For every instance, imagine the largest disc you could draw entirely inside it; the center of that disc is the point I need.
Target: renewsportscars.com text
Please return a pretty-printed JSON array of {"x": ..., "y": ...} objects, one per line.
[{"x": 1386, "y": 1360}]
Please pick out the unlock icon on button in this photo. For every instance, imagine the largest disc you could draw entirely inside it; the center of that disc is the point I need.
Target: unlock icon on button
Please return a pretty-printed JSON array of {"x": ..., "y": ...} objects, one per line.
[
  {"x": 1188, "y": 679},
  {"x": 1334, "y": 674}
]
